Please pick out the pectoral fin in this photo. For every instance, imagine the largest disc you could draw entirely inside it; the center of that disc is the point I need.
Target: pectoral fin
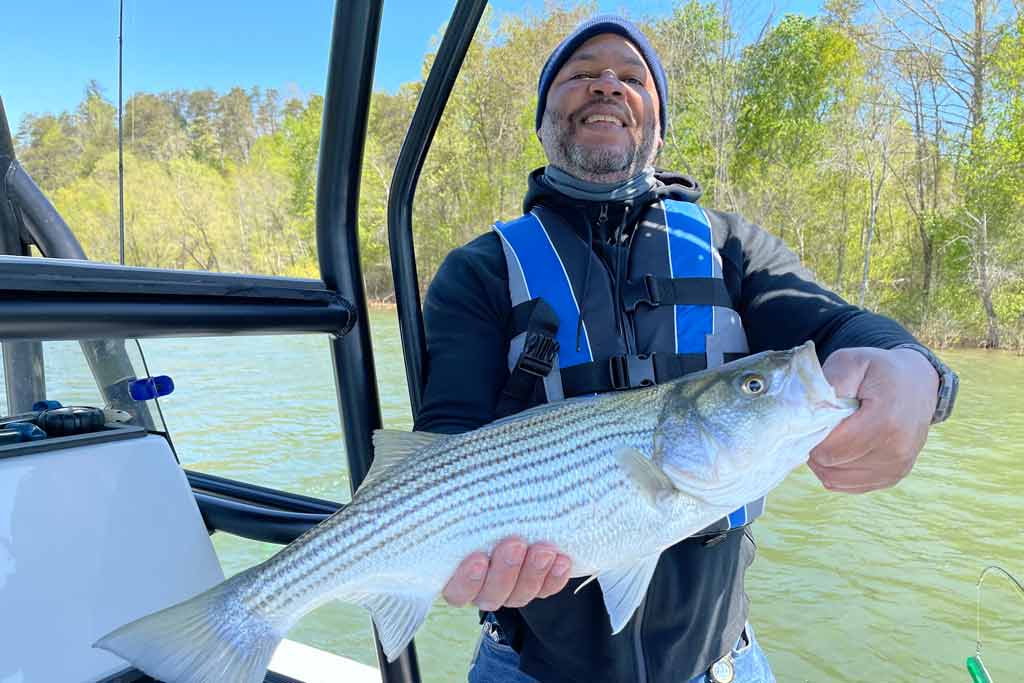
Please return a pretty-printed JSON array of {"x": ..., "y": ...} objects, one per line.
[
  {"x": 648, "y": 477},
  {"x": 397, "y": 618},
  {"x": 624, "y": 589}
]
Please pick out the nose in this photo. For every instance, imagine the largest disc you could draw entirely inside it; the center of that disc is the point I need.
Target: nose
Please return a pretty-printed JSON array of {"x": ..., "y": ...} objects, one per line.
[{"x": 606, "y": 85}]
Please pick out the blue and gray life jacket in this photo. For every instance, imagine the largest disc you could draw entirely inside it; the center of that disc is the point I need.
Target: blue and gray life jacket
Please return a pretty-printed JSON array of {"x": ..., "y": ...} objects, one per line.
[{"x": 683, "y": 319}]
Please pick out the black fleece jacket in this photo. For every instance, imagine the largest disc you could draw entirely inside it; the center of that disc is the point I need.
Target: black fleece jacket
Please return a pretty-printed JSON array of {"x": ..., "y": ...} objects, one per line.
[{"x": 696, "y": 609}]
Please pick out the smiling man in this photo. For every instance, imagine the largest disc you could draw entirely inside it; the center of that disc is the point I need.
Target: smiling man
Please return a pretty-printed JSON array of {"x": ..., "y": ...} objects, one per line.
[{"x": 615, "y": 278}]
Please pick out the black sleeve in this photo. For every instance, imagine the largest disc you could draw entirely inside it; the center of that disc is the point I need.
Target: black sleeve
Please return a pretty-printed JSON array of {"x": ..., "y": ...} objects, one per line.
[
  {"x": 782, "y": 306},
  {"x": 465, "y": 314}
]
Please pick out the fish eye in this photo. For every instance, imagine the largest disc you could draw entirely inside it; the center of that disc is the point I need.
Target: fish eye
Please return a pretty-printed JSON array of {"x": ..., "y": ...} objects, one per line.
[{"x": 753, "y": 385}]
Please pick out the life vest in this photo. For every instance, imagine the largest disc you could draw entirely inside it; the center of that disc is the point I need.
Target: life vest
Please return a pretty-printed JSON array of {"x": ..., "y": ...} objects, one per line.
[{"x": 683, "y": 319}]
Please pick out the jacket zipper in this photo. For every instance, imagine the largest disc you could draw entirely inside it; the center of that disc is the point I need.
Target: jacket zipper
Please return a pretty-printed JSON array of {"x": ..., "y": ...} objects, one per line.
[
  {"x": 613, "y": 270},
  {"x": 616, "y": 271}
]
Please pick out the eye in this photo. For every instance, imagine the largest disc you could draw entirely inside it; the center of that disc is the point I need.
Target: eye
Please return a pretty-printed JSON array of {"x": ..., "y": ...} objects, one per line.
[
  {"x": 633, "y": 80},
  {"x": 578, "y": 76},
  {"x": 753, "y": 385}
]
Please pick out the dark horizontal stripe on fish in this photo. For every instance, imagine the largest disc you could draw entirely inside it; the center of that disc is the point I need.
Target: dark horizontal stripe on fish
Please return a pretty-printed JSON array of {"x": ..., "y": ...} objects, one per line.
[
  {"x": 412, "y": 521},
  {"x": 401, "y": 531},
  {"x": 468, "y": 458}
]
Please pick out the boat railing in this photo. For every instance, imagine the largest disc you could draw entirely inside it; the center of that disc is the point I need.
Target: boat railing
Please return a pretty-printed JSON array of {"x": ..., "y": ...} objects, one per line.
[
  {"x": 81, "y": 300},
  {"x": 85, "y": 301}
]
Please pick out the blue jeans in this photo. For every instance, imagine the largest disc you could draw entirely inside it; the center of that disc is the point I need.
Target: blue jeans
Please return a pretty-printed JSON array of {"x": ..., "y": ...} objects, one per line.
[{"x": 498, "y": 663}]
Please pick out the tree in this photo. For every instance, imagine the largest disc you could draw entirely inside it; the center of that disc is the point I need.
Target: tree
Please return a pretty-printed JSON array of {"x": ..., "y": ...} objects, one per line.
[
  {"x": 47, "y": 148},
  {"x": 153, "y": 127}
]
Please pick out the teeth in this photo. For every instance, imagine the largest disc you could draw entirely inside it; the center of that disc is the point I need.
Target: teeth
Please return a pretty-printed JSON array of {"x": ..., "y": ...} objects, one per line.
[{"x": 602, "y": 117}]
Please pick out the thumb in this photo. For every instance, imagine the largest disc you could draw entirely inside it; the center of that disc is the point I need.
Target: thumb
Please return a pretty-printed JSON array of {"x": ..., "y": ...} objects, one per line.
[{"x": 845, "y": 370}]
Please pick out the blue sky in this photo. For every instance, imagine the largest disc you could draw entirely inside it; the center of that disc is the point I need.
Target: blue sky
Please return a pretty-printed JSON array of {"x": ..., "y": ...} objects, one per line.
[{"x": 193, "y": 44}]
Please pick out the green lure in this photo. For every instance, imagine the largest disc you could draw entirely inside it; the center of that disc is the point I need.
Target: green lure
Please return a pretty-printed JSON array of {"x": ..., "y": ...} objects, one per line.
[{"x": 979, "y": 674}]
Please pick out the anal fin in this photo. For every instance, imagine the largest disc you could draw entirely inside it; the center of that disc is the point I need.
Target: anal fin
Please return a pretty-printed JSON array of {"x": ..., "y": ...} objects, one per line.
[
  {"x": 397, "y": 618},
  {"x": 624, "y": 589}
]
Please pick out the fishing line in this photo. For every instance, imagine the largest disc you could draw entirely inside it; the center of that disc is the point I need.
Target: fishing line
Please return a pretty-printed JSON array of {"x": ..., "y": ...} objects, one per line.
[
  {"x": 979, "y": 674},
  {"x": 156, "y": 399}
]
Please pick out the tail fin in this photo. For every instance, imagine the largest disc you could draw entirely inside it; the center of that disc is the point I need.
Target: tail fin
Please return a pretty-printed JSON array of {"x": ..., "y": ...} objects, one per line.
[{"x": 211, "y": 638}]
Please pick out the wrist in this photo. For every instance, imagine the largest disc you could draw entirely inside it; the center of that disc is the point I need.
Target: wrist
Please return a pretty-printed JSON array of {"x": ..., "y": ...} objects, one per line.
[
  {"x": 923, "y": 368},
  {"x": 943, "y": 382}
]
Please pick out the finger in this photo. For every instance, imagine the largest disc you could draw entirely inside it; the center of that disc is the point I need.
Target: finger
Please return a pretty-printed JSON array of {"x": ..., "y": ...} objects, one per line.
[
  {"x": 539, "y": 559},
  {"x": 855, "y": 479},
  {"x": 845, "y": 370},
  {"x": 465, "y": 584},
  {"x": 557, "y": 578},
  {"x": 850, "y": 440},
  {"x": 506, "y": 562}
]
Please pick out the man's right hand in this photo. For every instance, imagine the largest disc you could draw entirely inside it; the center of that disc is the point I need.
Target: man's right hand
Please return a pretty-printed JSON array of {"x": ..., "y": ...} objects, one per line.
[{"x": 513, "y": 576}]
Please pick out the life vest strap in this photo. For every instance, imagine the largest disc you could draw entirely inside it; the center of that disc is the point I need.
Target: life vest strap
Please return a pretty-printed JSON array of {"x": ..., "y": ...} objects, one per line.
[
  {"x": 629, "y": 372},
  {"x": 540, "y": 324},
  {"x": 680, "y": 291}
]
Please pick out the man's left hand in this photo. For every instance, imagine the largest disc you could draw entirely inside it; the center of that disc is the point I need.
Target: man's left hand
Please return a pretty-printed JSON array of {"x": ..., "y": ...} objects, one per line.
[{"x": 876, "y": 446}]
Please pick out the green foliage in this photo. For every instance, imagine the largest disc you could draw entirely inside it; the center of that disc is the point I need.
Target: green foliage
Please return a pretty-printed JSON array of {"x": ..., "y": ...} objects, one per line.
[
  {"x": 823, "y": 130},
  {"x": 790, "y": 82}
]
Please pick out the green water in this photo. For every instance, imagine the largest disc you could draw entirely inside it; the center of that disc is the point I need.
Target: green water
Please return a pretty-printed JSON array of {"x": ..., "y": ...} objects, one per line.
[{"x": 879, "y": 587}]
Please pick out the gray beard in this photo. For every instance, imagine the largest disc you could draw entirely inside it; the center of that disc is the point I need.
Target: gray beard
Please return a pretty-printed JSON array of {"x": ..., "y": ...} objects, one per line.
[{"x": 597, "y": 165}]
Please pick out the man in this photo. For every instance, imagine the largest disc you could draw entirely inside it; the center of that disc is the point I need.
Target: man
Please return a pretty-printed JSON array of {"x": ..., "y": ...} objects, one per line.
[{"x": 649, "y": 287}]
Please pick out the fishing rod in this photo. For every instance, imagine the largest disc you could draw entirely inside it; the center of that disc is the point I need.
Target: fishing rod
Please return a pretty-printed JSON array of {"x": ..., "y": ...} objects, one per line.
[
  {"x": 120, "y": 194},
  {"x": 120, "y": 119},
  {"x": 975, "y": 667}
]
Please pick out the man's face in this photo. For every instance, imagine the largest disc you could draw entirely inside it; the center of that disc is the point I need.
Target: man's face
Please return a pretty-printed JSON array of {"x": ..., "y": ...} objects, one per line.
[{"x": 601, "y": 118}]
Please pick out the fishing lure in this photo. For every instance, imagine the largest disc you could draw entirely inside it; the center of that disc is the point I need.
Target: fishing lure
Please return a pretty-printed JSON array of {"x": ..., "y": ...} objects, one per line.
[{"x": 976, "y": 667}]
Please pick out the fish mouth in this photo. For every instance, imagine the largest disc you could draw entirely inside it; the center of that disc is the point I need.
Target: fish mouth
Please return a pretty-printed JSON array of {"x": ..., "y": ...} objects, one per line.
[
  {"x": 820, "y": 396},
  {"x": 839, "y": 404}
]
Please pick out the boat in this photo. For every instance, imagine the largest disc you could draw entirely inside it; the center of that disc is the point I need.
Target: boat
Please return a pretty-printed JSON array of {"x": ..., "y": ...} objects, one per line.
[{"x": 99, "y": 522}]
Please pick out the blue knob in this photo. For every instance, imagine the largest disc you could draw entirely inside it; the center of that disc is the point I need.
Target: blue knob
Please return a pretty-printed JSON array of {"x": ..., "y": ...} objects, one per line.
[{"x": 148, "y": 388}]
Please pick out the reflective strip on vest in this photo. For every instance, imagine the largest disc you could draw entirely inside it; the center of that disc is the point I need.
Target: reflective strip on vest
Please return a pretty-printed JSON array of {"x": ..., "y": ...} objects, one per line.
[
  {"x": 543, "y": 275},
  {"x": 537, "y": 270}
]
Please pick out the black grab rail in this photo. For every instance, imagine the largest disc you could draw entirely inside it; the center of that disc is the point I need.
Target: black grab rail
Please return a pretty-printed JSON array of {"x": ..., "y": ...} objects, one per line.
[
  {"x": 211, "y": 304},
  {"x": 429, "y": 109},
  {"x": 346, "y": 105}
]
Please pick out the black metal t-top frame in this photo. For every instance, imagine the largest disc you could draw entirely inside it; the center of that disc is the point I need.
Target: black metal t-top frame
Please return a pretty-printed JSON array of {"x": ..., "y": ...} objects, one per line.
[{"x": 41, "y": 300}]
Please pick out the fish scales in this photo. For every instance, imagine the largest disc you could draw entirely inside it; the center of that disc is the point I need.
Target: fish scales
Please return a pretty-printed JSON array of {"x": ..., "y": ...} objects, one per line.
[
  {"x": 493, "y": 469},
  {"x": 611, "y": 480}
]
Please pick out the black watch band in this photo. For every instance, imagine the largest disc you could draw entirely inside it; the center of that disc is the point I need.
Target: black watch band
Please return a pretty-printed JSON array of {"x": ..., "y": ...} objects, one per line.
[{"x": 949, "y": 382}]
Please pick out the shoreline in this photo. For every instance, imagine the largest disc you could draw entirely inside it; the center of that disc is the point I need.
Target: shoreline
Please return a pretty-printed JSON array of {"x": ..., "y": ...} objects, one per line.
[{"x": 390, "y": 305}]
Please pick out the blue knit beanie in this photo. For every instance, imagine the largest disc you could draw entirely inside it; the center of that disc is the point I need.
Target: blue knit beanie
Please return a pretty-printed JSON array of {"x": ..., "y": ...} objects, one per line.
[{"x": 595, "y": 26}]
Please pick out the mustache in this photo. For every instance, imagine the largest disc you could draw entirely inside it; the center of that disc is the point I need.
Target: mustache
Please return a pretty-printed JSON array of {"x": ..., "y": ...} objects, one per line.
[{"x": 604, "y": 103}]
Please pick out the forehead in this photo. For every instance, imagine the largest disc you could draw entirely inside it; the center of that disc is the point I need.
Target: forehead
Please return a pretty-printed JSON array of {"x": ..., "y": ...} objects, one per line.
[{"x": 608, "y": 48}]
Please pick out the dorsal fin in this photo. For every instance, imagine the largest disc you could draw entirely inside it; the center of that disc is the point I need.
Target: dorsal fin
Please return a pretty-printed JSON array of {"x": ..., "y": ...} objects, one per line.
[{"x": 391, "y": 446}]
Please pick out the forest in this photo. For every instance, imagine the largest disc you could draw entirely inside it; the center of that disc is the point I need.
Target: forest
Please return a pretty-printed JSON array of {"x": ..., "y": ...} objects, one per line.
[{"x": 884, "y": 142}]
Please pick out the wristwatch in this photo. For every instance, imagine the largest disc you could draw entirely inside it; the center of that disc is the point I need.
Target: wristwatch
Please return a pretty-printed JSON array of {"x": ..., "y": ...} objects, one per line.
[{"x": 949, "y": 383}]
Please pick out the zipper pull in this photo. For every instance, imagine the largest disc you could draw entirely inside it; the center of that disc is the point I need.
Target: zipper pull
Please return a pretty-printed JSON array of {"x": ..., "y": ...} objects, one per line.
[{"x": 602, "y": 218}]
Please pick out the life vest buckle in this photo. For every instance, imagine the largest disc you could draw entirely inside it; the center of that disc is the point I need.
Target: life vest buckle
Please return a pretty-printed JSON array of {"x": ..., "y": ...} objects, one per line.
[
  {"x": 538, "y": 355},
  {"x": 653, "y": 294},
  {"x": 629, "y": 372},
  {"x": 643, "y": 291}
]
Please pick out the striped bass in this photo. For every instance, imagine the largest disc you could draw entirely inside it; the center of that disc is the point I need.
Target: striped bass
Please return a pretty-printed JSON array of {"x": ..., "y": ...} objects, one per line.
[{"x": 612, "y": 480}]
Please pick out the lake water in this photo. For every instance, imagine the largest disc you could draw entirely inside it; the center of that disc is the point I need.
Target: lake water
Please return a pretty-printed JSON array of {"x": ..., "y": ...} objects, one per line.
[{"x": 844, "y": 589}]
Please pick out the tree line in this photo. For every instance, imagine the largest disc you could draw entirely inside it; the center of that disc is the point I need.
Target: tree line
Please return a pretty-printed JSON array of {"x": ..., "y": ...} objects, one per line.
[{"x": 884, "y": 145}]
